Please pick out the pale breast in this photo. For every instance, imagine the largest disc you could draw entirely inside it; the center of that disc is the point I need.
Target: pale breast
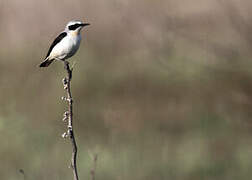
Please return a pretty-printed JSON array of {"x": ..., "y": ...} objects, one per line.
[{"x": 74, "y": 45}]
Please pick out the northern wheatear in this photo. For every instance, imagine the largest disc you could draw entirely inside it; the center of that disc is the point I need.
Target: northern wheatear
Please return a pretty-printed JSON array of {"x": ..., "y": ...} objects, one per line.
[{"x": 66, "y": 44}]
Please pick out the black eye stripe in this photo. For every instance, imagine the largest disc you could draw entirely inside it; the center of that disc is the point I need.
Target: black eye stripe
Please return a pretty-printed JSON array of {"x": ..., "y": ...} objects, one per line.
[{"x": 74, "y": 26}]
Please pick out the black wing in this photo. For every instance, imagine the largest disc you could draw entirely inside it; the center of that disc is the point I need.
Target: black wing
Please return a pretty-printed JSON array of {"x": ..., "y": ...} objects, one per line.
[{"x": 56, "y": 41}]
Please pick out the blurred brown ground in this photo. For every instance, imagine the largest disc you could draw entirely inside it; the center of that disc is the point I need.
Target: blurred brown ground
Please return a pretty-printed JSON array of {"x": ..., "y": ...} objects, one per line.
[{"x": 162, "y": 90}]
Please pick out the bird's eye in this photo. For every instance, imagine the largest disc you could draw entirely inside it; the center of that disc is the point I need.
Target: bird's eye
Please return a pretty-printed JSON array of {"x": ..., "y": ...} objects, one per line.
[{"x": 74, "y": 27}]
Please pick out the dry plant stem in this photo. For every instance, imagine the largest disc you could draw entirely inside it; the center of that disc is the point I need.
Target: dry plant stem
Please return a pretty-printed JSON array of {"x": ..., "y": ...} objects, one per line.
[{"x": 70, "y": 131}]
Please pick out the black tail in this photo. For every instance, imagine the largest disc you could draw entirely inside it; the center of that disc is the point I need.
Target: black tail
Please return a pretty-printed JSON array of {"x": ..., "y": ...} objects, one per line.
[{"x": 46, "y": 63}]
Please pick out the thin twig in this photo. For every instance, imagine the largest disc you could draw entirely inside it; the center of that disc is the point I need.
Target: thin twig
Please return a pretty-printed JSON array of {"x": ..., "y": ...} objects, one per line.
[
  {"x": 22, "y": 172},
  {"x": 68, "y": 115},
  {"x": 92, "y": 172}
]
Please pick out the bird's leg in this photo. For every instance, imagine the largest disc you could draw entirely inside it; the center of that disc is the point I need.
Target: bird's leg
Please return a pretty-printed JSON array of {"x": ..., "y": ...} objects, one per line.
[
  {"x": 69, "y": 71},
  {"x": 66, "y": 64}
]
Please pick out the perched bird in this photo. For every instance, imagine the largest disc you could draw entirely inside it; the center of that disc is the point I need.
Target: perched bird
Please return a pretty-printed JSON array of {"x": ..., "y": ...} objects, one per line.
[{"x": 66, "y": 44}]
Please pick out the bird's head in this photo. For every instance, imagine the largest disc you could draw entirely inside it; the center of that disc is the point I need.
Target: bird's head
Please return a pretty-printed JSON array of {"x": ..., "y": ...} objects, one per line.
[{"x": 75, "y": 26}]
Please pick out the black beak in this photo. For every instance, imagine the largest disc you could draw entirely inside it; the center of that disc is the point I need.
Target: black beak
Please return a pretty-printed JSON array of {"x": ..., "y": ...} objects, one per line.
[{"x": 85, "y": 24}]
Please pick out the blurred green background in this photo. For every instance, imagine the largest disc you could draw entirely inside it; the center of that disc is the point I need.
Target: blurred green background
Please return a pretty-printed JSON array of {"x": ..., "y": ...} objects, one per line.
[{"x": 162, "y": 90}]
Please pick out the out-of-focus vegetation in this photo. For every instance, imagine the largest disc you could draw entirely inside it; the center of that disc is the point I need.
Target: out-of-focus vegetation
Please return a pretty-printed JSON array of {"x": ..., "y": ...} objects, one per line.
[{"x": 162, "y": 90}]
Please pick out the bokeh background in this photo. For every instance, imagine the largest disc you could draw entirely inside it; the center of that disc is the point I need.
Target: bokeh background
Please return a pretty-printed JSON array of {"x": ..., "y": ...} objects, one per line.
[{"x": 162, "y": 90}]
